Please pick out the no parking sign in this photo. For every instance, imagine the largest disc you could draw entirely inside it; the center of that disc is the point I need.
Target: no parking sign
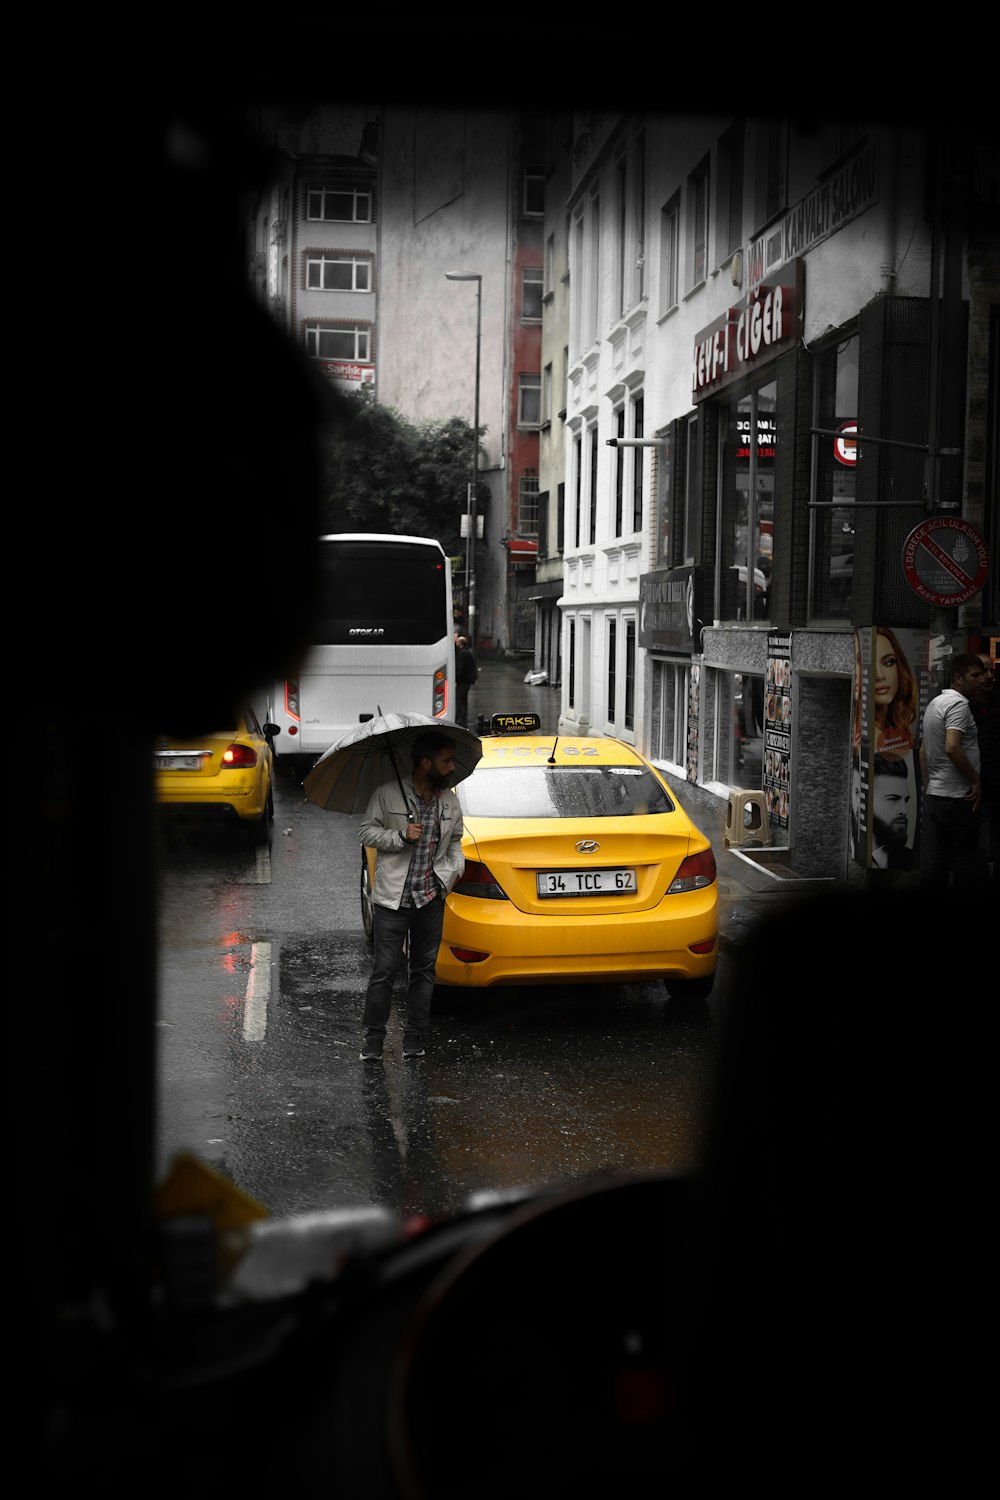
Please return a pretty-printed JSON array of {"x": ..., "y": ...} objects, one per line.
[{"x": 945, "y": 560}]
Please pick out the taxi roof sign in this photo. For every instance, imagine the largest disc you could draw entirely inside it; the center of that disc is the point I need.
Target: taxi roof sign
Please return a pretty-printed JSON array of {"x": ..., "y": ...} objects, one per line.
[{"x": 515, "y": 723}]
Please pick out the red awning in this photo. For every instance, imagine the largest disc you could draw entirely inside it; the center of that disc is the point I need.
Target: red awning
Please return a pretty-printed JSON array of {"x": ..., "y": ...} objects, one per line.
[{"x": 521, "y": 548}]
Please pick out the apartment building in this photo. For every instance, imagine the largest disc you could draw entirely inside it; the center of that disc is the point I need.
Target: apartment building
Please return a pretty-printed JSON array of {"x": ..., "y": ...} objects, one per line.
[
  {"x": 748, "y": 299},
  {"x": 402, "y": 249}
]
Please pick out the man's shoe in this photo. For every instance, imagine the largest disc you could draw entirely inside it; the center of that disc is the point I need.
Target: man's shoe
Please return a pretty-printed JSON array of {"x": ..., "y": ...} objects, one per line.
[
  {"x": 372, "y": 1049},
  {"x": 413, "y": 1047}
]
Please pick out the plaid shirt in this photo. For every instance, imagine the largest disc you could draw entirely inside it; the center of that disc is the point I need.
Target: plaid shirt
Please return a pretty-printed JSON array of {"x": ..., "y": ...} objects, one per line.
[{"x": 421, "y": 884}]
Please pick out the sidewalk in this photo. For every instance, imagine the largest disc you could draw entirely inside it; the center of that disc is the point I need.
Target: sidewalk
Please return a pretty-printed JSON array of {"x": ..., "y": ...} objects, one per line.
[{"x": 747, "y": 891}]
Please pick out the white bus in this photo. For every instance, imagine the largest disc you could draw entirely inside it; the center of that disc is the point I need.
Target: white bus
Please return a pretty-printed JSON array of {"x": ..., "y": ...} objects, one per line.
[{"x": 383, "y": 638}]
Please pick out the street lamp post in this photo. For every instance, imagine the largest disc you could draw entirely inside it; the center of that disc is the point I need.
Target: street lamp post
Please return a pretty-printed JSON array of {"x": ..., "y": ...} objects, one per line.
[{"x": 470, "y": 548}]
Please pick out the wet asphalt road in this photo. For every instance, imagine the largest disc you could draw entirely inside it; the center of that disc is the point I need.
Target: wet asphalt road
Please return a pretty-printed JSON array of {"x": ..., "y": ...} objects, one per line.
[{"x": 262, "y": 970}]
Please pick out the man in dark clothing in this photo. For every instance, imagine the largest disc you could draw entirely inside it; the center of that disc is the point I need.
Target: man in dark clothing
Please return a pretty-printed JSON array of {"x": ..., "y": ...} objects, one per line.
[{"x": 466, "y": 673}]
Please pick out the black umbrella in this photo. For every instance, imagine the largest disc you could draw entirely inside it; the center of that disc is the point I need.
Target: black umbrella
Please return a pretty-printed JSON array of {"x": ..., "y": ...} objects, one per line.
[{"x": 364, "y": 758}]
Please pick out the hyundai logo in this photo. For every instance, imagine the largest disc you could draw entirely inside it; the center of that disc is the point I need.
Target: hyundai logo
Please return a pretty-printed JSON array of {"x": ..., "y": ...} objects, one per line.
[{"x": 587, "y": 846}]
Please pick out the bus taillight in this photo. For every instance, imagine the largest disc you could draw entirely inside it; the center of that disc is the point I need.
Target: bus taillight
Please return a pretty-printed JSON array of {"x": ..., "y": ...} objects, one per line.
[
  {"x": 292, "y": 698},
  {"x": 440, "y": 706}
]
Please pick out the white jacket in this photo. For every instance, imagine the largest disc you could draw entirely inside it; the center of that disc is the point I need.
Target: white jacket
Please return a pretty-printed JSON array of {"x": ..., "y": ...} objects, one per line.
[{"x": 384, "y": 819}]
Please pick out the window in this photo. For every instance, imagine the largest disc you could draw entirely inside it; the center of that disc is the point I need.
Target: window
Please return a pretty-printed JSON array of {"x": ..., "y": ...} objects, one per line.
[
  {"x": 630, "y": 642},
  {"x": 550, "y": 263},
  {"x": 612, "y": 665},
  {"x": 730, "y": 187},
  {"x": 670, "y": 711},
  {"x": 669, "y": 253},
  {"x": 529, "y": 394},
  {"x": 578, "y": 497},
  {"x": 339, "y": 204},
  {"x": 571, "y": 658},
  {"x": 534, "y": 191},
  {"x": 544, "y": 508},
  {"x": 593, "y": 485},
  {"x": 622, "y": 247},
  {"x": 697, "y": 209},
  {"x": 578, "y": 330},
  {"x": 637, "y": 419},
  {"x": 667, "y": 523},
  {"x": 546, "y": 395},
  {"x": 692, "y": 491},
  {"x": 747, "y": 448},
  {"x": 348, "y": 341},
  {"x": 839, "y": 137},
  {"x": 338, "y": 273},
  {"x": 640, "y": 216},
  {"x": 772, "y": 155},
  {"x": 619, "y": 471},
  {"x": 527, "y": 506},
  {"x": 531, "y": 294},
  {"x": 594, "y": 270},
  {"x": 736, "y": 750},
  {"x": 835, "y": 405}
]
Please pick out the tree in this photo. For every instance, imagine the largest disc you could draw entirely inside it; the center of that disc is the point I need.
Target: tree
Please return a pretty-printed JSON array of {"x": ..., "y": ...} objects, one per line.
[{"x": 384, "y": 473}]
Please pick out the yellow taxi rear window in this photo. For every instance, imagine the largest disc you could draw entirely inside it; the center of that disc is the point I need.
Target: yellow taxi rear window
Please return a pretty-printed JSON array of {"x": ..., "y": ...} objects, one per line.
[{"x": 562, "y": 792}]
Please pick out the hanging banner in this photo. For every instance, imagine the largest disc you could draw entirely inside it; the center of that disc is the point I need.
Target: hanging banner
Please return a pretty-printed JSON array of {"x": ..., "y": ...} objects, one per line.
[{"x": 778, "y": 728}]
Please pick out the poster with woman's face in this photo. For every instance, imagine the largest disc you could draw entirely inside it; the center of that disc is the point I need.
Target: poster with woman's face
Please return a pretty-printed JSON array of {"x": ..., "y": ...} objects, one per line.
[{"x": 894, "y": 691}]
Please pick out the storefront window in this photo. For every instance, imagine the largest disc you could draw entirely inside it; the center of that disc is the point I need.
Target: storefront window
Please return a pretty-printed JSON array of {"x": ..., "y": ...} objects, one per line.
[
  {"x": 739, "y": 736},
  {"x": 748, "y": 442},
  {"x": 832, "y": 525},
  {"x": 670, "y": 711}
]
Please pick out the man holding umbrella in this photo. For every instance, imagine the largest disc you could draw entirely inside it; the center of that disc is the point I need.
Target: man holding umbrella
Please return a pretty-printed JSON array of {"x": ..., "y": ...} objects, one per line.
[{"x": 416, "y": 826}]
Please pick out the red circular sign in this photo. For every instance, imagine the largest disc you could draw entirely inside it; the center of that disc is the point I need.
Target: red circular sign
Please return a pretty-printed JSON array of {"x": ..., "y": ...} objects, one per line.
[
  {"x": 945, "y": 560},
  {"x": 845, "y": 444}
]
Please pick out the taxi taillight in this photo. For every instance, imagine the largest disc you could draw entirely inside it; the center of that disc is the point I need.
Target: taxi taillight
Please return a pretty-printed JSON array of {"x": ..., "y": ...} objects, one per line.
[
  {"x": 695, "y": 872},
  {"x": 239, "y": 757},
  {"x": 478, "y": 881}
]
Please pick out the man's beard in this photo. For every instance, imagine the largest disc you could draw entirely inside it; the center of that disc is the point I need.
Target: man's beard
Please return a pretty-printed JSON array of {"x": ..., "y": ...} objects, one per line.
[{"x": 892, "y": 835}]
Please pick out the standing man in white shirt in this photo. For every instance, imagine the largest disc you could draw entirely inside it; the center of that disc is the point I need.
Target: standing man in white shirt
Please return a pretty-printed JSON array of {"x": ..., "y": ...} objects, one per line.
[{"x": 950, "y": 773}]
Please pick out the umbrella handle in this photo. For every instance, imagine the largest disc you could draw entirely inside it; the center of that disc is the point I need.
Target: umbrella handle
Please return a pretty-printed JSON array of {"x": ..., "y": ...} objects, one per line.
[{"x": 409, "y": 815}]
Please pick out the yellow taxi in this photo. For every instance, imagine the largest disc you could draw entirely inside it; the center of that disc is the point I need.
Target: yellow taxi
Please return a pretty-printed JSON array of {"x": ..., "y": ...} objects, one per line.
[
  {"x": 580, "y": 865},
  {"x": 223, "y": 777}
]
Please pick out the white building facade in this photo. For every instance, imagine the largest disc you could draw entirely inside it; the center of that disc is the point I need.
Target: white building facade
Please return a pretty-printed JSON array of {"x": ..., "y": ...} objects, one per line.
[{"x": 746, "y": 296}]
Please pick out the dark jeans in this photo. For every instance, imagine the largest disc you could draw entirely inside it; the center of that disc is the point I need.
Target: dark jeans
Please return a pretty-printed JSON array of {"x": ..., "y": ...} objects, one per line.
[
  {"x": 462, "y": 704},
  {"x": 949, "y": 843},
  {"x": 424, "y": 926}
]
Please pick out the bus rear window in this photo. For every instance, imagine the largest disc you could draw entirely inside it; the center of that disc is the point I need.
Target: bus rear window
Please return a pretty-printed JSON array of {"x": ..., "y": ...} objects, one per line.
[{"x": 380, "y": 594}]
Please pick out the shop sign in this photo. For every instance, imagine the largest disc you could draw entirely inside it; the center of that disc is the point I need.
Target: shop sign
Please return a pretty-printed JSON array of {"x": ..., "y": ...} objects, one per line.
[
  {"x": 945, "y": 560},
  {"x": 670, "y": 609},
  {"x": 353, "y": 376},
  {"x": 778, "y": 728},
  {"x": 766, "y": 323},
  {"x": 844, "y": 195}
]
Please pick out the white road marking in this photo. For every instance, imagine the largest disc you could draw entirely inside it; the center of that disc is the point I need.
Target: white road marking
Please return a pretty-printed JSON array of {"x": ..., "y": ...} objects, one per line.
[{"x": 258, "y": 993}]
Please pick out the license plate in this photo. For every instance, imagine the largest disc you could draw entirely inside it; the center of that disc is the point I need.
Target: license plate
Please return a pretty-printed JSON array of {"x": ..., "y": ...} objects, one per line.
[
  {"x": 178, "y": 762},
  {"x": 586, "y": 883}
]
